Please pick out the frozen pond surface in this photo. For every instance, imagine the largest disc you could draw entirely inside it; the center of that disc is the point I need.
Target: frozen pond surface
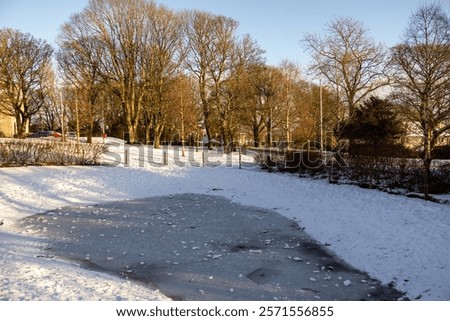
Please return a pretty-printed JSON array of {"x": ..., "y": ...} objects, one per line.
[{"x": 202, "y": 247}]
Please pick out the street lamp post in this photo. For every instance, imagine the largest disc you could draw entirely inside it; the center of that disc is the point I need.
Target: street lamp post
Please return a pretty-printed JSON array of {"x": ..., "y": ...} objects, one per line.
[
  {"x": 321, "y": 119},
  {"x": 63, "y": 138}
]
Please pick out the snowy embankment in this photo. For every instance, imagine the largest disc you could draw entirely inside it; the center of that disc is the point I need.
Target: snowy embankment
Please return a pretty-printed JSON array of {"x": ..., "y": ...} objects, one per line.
[{"x": 393, "y": 238}]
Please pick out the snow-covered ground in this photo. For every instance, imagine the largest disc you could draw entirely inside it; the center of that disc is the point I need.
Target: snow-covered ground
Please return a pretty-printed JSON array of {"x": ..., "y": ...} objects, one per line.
[{"x": 393, "y": 238}]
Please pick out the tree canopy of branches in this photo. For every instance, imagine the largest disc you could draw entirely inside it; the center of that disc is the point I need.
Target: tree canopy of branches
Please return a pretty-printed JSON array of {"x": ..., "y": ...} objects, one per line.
[
  {"x": 126, "y": 45},
  {"x": 314, "y": 122},
  {"x": 80, "y": 59},
  {"x": 218, "y": 59},
  {"x": 421, "y": 72},
  {"x": 259, "y": 100},
  {"x": 25, "y": 76},
  {"x": 210, "y": 42},
  {"x": 231, "y": 100},
  {"x": 167, "y": 51},
  {"x": 349, "y": 60},
  {"x": 134, "y": 49}
]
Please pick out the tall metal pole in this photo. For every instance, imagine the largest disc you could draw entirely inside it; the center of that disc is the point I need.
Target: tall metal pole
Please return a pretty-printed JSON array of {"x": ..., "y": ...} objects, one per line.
[
  {"x": 78, "y": 120},
  {"x": 63, "y": 138},
  {"x": 182, "y": 117},
  {"x": 321, "y": 118}
]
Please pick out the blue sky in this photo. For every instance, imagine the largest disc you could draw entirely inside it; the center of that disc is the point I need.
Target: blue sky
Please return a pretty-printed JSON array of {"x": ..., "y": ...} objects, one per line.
[{"x": 277, "y": 25}]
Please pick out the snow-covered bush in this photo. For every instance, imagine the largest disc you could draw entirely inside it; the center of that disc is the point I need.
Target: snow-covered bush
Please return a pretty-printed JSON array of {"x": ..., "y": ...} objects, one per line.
[
  {"x": 383, "y": 172},
  {"x": 292, "y": 161},
  {"x": 392, "y": 174},
  {"x": 395, "y": 174},
  {"x": 440, "y": 178},
  {"x": 16, "y": 152}
]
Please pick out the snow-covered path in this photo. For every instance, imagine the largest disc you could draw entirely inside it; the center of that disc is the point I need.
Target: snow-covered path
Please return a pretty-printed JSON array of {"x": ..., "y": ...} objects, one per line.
[{"x": 393, "y": 238}]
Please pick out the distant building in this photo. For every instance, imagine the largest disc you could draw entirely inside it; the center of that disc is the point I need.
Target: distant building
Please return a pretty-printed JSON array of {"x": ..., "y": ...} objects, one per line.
[
  {"x": 8, "y": 127},
  {"x": 414, "y": 137}
]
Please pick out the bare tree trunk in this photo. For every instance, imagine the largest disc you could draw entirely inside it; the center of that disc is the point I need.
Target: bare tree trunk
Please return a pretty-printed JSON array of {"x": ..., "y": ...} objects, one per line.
[
  {"x": 426, "y": 164},
  {"x": 158, "y": 133},
  {"x": 91, "y": 131},
  {"x": 90, "y": 123},
  {"x": 225, "y": 139},
  {"x": 132, "y": 119},
  {"x": 148, "y": 128},
  {"x": 21, "y": 126},
  {"x": 426, "y": 178},
  {"x": 205, "y": 108},
  {"x": 208, "y": 133},
  {"x": 255, "y": 136},
  {"x": 288, "y": 127},
  {"x": 269, "y": 133},
  {"x": 132, "y": 130}
]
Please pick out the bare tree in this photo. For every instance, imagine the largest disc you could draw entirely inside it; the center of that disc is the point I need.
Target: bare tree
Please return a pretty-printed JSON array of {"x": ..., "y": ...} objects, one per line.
[
  {"x": 258, "y": 93},
  {"x": 211, "y": 46},
  {"x": 48, "y": 117},
  {"x": 134, "y": 48},
  {"x": 80, "y": 59},
  {"x": 25, "y": 73},
  {"x": 262, "y": 105},
  {"x": 316, "y": 123},
  {"x": 162, "y": 61},
  {"x": 234, "y": 90},
  {"x": 199, "y": 41},
  {"x": 184, "y": 117},
  {"x": 349, "y": 60},
  {"x": 289, "y": 94},
  {"x": 219, "y": 59},
  {"x": 421, "y": 71},
  {"x": 121, "y": 28}
]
